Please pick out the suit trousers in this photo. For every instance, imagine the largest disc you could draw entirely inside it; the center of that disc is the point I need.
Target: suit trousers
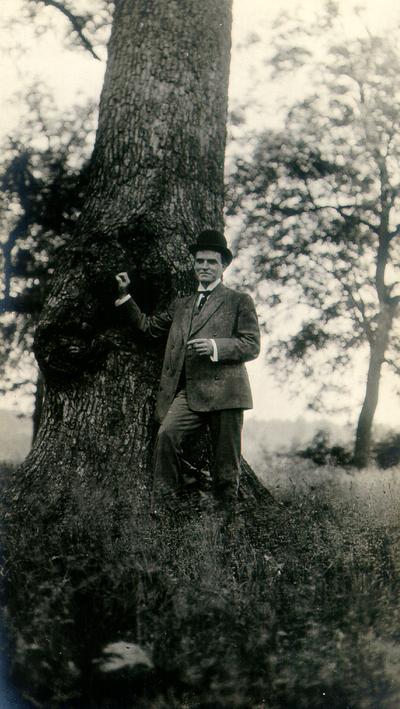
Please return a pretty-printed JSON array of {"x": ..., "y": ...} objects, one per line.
[{"x": 180, "y": 423}]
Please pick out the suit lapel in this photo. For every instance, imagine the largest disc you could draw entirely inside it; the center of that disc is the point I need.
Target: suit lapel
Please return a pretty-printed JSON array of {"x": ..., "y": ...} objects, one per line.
[
  {"x": 187, "y": 316},
  {"x": 212, "y": 304}
]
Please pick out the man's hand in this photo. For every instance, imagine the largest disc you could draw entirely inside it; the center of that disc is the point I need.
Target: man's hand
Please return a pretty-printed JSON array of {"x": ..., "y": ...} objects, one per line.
[
  {"x": 201, "y": 347},
  {"x": 123, "y": 283}
]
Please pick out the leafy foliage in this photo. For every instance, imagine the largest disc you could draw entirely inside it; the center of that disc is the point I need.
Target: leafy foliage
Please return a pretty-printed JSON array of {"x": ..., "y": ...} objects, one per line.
[
  {"x": 322, "y": 453},
  {"x": 42, "y": 182},
  {"x": 387, "y": 451}
]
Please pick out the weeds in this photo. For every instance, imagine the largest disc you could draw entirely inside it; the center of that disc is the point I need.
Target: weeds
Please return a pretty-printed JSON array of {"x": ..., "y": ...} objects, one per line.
[{"x": 304, "y": 613}]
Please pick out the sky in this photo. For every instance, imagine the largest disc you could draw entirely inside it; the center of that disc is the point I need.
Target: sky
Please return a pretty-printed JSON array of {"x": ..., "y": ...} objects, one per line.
[{"x": 72, "y": 75}]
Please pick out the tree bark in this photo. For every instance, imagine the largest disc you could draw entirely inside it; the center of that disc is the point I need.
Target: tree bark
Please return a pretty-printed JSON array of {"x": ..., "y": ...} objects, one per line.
[
  {"x": 378, "y": 346},
  {"x": 38, "y": 407}
]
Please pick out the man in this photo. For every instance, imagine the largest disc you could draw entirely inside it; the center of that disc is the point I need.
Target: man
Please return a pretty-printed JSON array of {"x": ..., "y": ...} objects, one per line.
[{"x": 204, "y": 379}]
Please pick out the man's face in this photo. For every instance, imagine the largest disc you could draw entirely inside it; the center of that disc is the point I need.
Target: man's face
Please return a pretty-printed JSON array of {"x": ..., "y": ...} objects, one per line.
[{"x": 208, "y": 266}]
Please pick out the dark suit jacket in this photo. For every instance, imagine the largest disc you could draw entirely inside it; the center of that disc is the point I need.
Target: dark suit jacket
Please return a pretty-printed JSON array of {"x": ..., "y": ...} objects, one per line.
[{"x": 228, "y": 317}]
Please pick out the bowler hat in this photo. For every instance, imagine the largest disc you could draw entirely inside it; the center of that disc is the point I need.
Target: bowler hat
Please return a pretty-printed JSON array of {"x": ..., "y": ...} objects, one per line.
[{"x": 212, "y": 240}]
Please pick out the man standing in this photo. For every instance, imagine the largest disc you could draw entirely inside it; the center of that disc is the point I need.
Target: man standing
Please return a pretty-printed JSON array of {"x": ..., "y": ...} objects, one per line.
[{"x": 204, "y": 380}]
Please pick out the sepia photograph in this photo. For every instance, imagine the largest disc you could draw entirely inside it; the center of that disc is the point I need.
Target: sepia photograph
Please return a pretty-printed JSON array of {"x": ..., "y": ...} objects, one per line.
[{"x": 200, "y": 354}]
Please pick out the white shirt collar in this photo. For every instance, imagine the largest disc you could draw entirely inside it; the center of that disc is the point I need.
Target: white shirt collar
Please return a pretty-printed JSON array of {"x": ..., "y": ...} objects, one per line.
[{"x": 210, "y": 287}]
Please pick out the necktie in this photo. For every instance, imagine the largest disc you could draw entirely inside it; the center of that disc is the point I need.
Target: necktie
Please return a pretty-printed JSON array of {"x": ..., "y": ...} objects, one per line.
[{"x": 203, "y": 297}]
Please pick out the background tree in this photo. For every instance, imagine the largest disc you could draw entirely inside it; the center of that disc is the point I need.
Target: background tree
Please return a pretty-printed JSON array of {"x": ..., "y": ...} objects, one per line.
[
  {"x": 321, "y": 201},
  {"x": 42, "y": 183}
]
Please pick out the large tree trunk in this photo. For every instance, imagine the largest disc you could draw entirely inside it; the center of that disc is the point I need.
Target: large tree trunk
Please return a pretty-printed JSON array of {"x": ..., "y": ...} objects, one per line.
[
  {"x": 156, "y": 180},
  {"x": 378, "y": 346}
]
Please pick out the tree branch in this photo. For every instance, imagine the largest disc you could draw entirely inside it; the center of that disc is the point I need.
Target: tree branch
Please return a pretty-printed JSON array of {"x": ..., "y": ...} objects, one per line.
[
  {"x": 340, "y": 208},
  {"x": 394, "y": 366},
  {"x": 394, "y": 233},
  {"x": 294, "y": 212},
  {"x": 359, "y": 307},
  {"x": 76, "y": 21}
]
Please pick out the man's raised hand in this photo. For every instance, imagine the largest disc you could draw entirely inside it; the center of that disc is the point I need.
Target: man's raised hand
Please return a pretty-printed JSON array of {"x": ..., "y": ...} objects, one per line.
[{"x": 123, "y": 283}]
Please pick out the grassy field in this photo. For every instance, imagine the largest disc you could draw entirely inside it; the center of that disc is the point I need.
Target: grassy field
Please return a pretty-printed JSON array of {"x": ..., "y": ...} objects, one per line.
[{"x": 298, "y": 609}]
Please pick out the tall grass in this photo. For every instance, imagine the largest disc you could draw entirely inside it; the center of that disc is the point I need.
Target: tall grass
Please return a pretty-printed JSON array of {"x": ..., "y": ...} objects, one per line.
[{"x": 298, "y": 609}]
